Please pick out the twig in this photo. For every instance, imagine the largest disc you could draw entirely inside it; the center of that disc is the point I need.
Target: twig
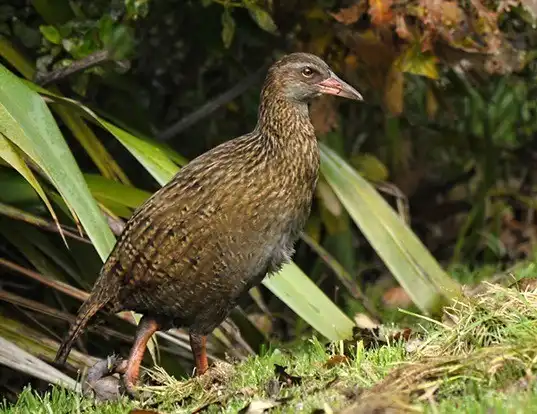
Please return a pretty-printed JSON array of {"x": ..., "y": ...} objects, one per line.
[
  {"x": 82, "y": 296},
  {"x": 21, "y": 215},
  {"x": 55, "y": 284},
  {"x": 89, "y": 61},
  {"x": 116, "y": 224},
  {"x": 343, "y": 276},
  {"x": 212, "y": 105},
  {"x": 56, "y": 314},
  {"x": 34, "y": 320}
]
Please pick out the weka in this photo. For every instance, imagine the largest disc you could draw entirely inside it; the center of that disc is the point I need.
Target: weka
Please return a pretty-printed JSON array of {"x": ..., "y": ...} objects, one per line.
[{"x": 227, "y": 219}]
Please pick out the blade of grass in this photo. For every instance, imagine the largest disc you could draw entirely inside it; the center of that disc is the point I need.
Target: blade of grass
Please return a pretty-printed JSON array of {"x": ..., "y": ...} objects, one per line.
[
  {"x": 309, "y": 302},
  {"x": 30, "y": 252},
  {"x": 100, "y": 156},
  {"x": 151, "y": 156},
  {"x": 26, "y": 121},
  {"x": 108, "y": 190},
  {"x": 342, "y": 275},
  {"x": 12, "y": 156},
  {"x": 405, "y": 256},
  {"x": 154, "y": 160},
  {"x": 37, "y": 221},
  {"x": 16, "y": 190}
]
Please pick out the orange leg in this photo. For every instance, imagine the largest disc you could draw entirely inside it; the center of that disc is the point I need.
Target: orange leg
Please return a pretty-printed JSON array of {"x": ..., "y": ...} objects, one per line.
[
  {"x": 198, "y": 345},
  {"x": 146, "y": 328}
]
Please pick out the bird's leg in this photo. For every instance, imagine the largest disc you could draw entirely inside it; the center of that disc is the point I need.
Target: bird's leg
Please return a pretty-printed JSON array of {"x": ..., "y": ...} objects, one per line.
[
  {"x": 146, "y": 328},
  {"x": 198, "y": 345}
]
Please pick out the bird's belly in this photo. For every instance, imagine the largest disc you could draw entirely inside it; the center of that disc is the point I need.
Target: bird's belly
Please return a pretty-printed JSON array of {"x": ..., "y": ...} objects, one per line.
[
  {"x": 201, "y": 295},
  {"x": 202, "y": 301}
]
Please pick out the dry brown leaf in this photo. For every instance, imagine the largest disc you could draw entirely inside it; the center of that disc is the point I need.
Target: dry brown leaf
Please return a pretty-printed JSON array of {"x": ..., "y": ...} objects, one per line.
[
  {"x": 396, "y": 297},
  {"x": 451, "y": 13},
  {"x": 404, "y": 335},
  {"x": 350, "y": 15},
  {"x": 441, "y": 12},
  {"x": 380, "y": 12},
  {"x": 527, "y": 284},
  {"x": 364, "y": 321},
  {"x": 336, "y": 360},
  {"x": 401, "y": 28}
]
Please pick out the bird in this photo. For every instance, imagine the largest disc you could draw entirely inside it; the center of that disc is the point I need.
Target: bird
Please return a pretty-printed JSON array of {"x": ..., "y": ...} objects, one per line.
[{"x": 227, "y": 219}]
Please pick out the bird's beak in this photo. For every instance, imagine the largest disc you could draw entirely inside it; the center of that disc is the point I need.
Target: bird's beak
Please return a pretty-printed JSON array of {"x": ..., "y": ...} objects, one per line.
[{"x": 335, "y": 86}]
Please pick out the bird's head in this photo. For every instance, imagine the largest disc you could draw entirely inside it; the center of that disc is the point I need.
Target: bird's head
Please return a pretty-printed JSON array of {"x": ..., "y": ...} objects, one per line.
[{"x": 302, "y": 77}]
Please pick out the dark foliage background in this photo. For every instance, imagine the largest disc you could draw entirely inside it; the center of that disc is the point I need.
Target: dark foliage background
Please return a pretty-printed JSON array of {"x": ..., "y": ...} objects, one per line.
[{"x": 447, "y": 134}]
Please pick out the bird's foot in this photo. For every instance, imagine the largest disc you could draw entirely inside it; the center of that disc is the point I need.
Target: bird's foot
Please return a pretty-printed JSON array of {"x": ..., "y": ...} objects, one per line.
[
  {"x": 109, "y": 380},
  {"x": 129, "y": 386},
  {"x": 219, "y": 373},
  {"x": 101, "y": 381}
]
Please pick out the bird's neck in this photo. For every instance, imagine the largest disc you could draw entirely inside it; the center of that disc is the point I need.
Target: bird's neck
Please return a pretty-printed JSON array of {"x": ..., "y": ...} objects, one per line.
[
  {"x": 284, "y": 122},
  {"x": 286, "y": 138}
]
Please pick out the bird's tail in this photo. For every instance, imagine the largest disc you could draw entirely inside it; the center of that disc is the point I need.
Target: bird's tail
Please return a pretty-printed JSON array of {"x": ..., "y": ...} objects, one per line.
[{"x": 89, "y": 308}]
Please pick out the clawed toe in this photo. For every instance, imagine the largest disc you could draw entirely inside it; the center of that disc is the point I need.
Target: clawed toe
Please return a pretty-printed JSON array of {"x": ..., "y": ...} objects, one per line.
[
  {"x": 101, "y": 381},
  {"x": 219, "y": 372},
  {"x": 129, "y": 387},
  {"x": 104, "y": 367},
  {"x": 104, "y": 389}
]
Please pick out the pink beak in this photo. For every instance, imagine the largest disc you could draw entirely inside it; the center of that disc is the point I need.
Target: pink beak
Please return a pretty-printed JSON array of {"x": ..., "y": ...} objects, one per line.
[{"x": 335, "y": 86}]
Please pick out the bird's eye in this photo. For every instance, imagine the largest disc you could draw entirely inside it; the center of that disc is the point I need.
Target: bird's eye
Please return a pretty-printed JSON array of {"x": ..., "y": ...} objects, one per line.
[{"x": 307, "y": 72}]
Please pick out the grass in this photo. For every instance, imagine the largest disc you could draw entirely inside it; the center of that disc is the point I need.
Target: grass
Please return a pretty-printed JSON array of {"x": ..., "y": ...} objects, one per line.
[{"x": 480, "y": 358}]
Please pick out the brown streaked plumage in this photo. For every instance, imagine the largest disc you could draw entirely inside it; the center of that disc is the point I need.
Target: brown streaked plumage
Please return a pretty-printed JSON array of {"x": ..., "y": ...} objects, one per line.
[{"x": 227, "y": 219}]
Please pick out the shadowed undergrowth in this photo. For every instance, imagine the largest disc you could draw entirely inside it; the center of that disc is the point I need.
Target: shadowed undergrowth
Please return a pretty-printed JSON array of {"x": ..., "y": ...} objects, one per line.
[{"x": 480, "y": 357}]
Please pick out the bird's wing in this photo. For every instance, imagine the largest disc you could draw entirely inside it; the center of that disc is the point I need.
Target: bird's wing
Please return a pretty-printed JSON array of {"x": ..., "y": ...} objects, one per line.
[{"x": 187, "y": 224}]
